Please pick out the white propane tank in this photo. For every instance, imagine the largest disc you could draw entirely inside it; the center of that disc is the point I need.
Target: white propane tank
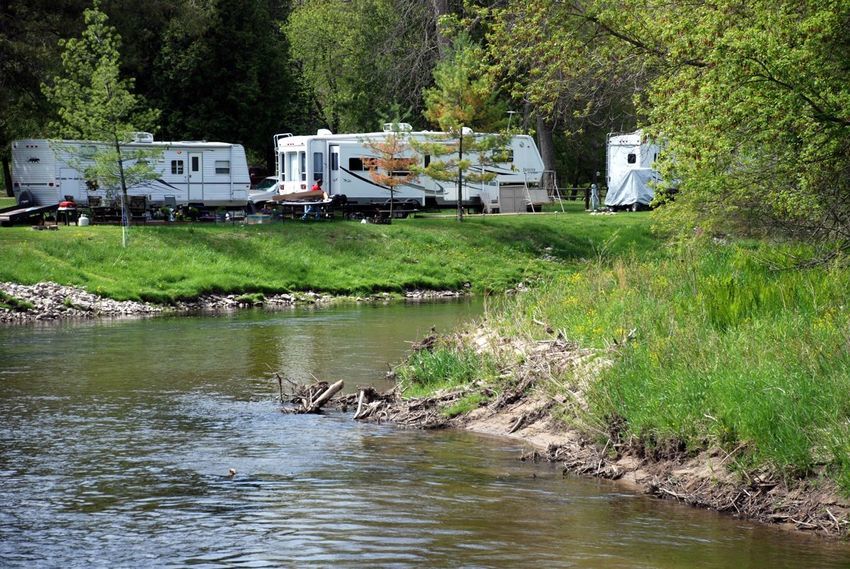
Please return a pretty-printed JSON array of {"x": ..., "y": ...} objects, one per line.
[{"x": 83, "y": 221}]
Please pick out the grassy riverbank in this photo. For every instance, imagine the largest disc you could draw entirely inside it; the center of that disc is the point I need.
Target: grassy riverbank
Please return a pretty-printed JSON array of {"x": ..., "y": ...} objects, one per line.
[
  {"x": 713, "y": 346},
  {"x": 165, "y": 263}
]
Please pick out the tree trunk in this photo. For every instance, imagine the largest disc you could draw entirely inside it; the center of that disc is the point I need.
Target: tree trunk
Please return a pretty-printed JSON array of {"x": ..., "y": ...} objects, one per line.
[
  {"x": 7, "y": 177},
  {"x": 440, "y": 8},
  {"x": 460, "y": 176},
  {"x": 125, "y": 207},
  {"x": 546, "y": 142}
]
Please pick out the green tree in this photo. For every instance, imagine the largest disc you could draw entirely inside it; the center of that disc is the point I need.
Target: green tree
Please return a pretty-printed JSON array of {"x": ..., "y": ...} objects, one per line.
[
  {"x": 464, "y": 94},
  {"x": 577, "y": 79},
  {"x": 754, "y": 106},
  {"x": 223, "y": 73},
  {"x": 752, "y": 101},
  {"x": 93, "y": 102},
  {"x": 334, "y": 43},
  {"x": 363, "y": 58},
  {"x": 28, "y": 52},
  {"x": 462, "y": 98}
]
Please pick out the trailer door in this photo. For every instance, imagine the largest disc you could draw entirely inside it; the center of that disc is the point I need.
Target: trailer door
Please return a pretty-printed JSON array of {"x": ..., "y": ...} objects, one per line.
[
  {"x": 69, "y": 184},
  {"x": 196, "y": 177},
  {"x": 333, "y": 182}
]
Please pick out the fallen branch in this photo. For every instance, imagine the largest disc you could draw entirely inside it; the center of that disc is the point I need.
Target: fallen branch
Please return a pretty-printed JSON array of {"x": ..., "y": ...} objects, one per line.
[
  {"x": 325, "y": 397},
  {"x": 311, "y": 398}
]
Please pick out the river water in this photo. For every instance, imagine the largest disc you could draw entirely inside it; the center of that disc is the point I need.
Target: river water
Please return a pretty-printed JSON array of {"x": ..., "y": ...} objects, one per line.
[{"x": 117, "y": 438}]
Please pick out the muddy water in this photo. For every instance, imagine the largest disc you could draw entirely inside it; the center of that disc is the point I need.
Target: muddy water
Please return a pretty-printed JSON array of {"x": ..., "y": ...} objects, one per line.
[{"x": 117, "y": 438}]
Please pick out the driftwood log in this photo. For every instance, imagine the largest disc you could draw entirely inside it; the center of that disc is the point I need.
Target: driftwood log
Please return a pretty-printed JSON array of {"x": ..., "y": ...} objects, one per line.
[{"x": 311, "y": 398}]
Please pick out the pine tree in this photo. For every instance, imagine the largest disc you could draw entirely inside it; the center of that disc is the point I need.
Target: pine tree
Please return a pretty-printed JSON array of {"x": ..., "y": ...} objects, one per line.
[{"x": 462, "y": 98}]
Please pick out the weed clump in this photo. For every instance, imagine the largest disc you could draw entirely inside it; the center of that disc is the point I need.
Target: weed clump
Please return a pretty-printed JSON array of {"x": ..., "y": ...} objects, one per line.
[{"x": 444, "y": 366}]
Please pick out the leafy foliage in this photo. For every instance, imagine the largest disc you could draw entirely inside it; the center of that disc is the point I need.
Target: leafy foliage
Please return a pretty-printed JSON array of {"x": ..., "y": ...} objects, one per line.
[
  {"x": 223, "y": 73},
  {"x": 93, "y": 101},
  {"x": 362, "y": 58},
  {"x": 756, "y": 113},
  {"x": 28, "y": 56},
  {"x": 463, "y": 95}
]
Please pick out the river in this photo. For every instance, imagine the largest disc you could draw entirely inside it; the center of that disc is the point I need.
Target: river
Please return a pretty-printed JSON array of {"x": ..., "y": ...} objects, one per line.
[{"x": 117, "y": 437}]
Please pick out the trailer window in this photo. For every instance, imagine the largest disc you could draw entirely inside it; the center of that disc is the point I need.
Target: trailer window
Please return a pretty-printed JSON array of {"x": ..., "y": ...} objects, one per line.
[
  {"x": 303, "y": 159},
  {"x": 293, "y": 166},
  {"x": 355, "y": 164},
  {"x": 318, "y": 165},
  {"x": 88, "y": 150},
  {"x": 222, "y": 166},
  {"x": 334, "y": 161},
  {"x": 177, "y": 167},
  {"x": 403, "y": 169},
  {"x": 502, "y": 155},
  {"x": 632, "y": 158}
]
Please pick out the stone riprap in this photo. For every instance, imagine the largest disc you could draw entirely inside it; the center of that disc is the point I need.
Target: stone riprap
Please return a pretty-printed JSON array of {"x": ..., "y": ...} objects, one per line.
[
  {"x": 48, "y": 301},
  {"x": 51, "y": 301}
]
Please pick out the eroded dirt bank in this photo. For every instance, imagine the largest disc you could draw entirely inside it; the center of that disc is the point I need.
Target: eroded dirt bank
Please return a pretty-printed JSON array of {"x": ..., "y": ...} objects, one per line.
[{"x": 538, "y": 406}]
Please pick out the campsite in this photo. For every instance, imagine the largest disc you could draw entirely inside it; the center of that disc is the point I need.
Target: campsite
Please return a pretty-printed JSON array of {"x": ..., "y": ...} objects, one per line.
[{"x": 528, "y": 283}]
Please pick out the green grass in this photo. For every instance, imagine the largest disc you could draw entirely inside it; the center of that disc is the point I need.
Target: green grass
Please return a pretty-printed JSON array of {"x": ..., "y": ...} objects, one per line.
[
  {"x": 166, "y": 263},
  {"x": 444, "y": 367},
  {"x": 725, "y": 352},
  {"x": 465, "y": 404},
  {"x": 12, "y": 303},
  {"x": 6, "y": 201},
  {"x": 251, "y": 298}
]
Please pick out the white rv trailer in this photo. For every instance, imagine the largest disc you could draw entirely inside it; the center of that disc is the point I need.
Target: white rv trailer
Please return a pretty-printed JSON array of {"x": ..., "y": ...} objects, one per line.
[
  {"x": 211, "y": 174},
  {"x": 629, "y": 162},
  {"x": 338, "y": 159}
]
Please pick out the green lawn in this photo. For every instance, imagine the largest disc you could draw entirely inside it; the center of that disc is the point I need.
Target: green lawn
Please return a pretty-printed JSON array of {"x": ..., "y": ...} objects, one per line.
[{"x": 163, "y": 263}]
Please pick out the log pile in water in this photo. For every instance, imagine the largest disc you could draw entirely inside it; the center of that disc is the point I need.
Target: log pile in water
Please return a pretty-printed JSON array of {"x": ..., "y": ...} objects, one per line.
[
  {"x": 308, "y": 398},
  {"x": 422, "y": 413}
]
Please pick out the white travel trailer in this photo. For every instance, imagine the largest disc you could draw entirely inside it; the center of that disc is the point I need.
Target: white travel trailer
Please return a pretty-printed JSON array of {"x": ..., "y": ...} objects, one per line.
[
  {"x": 208, "y": 174},
  {"x": 629, "y": 162},
  {"x": 339, "y": 160}
]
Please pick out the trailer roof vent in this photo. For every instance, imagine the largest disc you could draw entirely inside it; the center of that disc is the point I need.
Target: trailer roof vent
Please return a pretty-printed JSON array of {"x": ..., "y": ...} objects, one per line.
[
  {"x": 398, "y": 127},
  {"x": 145, "y": 137},
  {"x": 323, "y": 132}
]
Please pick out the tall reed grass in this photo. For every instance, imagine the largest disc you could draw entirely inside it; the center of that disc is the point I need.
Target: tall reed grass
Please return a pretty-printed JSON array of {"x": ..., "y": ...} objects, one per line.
[{"x": 727, "y": 346}]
